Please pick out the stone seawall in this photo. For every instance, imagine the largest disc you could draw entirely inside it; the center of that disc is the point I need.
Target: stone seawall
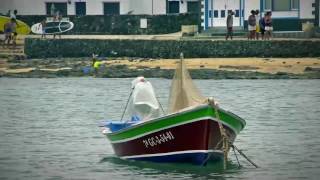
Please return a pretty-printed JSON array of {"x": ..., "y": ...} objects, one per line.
[{"x": 46, "y": 48}]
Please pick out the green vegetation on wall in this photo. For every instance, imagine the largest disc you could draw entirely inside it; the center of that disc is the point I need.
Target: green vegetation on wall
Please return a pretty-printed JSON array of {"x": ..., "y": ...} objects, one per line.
[
  {"x": 41, "y": 48},
  {"x": 124, "y": 24}
]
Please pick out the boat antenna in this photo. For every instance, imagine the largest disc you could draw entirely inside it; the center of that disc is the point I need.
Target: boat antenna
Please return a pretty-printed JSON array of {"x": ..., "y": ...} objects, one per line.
[
  {"x": 160, "y": 105},
  {"x": 124, "y": 111}
]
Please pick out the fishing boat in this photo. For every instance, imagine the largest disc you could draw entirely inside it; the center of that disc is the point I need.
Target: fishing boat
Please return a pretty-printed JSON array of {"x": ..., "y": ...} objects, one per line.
[{"x": 195, "y": 129}]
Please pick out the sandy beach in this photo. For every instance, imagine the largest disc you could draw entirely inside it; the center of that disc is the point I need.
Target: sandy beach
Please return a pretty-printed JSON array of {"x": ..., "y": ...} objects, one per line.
[
  {"x": 9, "y": 57},
  {"x": 266, "y": 65}
]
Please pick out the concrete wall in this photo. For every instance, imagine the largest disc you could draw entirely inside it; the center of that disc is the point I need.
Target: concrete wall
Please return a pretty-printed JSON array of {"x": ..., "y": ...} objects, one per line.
[{"x": 94, "y": 7}]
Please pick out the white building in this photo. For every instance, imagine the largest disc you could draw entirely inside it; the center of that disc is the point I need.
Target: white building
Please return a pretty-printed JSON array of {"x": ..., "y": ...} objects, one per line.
[
  {"x": 287, "y": 14},
  {"x": 99, "y": 7}
]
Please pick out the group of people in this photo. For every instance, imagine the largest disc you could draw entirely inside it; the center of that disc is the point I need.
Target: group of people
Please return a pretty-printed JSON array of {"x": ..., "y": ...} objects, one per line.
[
  {"x": 256, "y": 25},
  {"x": 10, "y": 29}
]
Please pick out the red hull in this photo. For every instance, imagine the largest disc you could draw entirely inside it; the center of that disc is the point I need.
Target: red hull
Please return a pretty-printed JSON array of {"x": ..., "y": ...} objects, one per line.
[{"x": 201, "y": 135}]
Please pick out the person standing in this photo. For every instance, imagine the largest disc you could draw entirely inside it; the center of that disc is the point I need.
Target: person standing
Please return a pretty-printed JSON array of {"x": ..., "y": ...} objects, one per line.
[
  {"x": 43, "y": 28},
  {"x": 57, "y": 18},
  {"x": 262, "y": 25},
  {"x": 252, "y": 25},
  {"x": 14, "y": 14},
  {"x": 8, "y": 30},
  {"x": 268, "y": 25},
  {"x": 257, "y": 24},
  {"x": 14, "y": 32},
  {"x": 230, "y": 25}
]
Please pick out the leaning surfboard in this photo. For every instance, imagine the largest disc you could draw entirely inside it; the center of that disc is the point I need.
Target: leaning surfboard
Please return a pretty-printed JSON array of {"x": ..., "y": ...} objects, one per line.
[
  {"x": 52, "y": 27},
  {"x": 22, "y": 28}
]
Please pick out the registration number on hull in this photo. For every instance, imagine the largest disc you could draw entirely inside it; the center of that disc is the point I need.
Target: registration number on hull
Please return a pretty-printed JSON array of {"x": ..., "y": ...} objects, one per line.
[{"x": 158, "y": 139}]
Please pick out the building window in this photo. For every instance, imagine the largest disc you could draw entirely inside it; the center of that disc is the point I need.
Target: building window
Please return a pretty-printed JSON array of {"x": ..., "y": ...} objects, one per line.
[
  {"x": 193, "y": 6},
  {"x": 56, "y": 8},
  {"x": 237, "y": 13},
  {"x": 174, "y": 7},
  {"x": 216, "y": 13},
  {"x": 281, "y": 5},
  {"x": 267, "y": 4},
  {"x": 80, "y": 8},
  {"x": 210, "y": 13},
  {"x": 223, "y": 13},
  {"x": 295, "y": 4},
  {"x": 111, "y": 8}
]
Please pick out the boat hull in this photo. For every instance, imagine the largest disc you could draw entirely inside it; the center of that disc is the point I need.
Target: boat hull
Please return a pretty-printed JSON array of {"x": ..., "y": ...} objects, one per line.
[{"x": 194, "y": 139}]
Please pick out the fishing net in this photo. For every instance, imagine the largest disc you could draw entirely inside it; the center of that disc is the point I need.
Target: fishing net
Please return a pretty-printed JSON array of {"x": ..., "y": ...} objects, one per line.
[{"x": 183, "y": 92}]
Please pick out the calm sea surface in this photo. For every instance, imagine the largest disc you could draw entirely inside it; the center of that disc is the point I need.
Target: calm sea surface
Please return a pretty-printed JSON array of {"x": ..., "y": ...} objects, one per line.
[{"x": 48, "y": 129}]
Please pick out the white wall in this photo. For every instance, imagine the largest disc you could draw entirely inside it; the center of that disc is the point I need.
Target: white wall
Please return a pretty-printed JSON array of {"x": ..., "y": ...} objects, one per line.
[
  {"x": 306, "y": 9},
  {"x": 285, "y": 14},
  {"x": 94, "y": 7},
  {"x": 250, "y": 5},
  {"x": 25, "y": 7}
]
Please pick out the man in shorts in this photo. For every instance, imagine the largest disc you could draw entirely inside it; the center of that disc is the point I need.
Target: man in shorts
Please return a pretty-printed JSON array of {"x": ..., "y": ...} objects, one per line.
[{"x": 8, "y": 30}]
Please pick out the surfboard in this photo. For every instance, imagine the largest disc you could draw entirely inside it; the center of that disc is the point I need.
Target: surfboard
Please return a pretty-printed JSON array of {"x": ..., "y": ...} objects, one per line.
[
  {"x": 54, "y": 27},
  {"x": 22, "y": 28}
]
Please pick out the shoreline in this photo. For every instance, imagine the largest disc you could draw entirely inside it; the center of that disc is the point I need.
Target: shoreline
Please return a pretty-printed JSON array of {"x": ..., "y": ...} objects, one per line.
[{"x": 200, "y": 68}]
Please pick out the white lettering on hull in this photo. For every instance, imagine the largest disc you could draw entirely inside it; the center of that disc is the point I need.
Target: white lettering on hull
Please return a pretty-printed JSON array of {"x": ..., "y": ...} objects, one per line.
[{"x": 158, "y": 139}]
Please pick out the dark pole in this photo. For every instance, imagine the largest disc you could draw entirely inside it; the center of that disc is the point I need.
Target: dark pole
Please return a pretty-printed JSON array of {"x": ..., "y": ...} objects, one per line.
[{"x": 316, "y": 14}]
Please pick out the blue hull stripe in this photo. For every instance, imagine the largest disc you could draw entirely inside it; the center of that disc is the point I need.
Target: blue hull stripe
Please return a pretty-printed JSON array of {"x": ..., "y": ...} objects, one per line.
[{"x": 198, "y": 158}]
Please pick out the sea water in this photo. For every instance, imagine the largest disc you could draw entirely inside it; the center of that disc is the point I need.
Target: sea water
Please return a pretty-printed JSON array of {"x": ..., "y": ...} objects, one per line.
[{"x": 48, "y": 129}]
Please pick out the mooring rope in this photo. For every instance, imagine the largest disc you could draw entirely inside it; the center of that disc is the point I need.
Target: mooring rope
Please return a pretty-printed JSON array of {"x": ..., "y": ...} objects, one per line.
[
  {"x": 225, "y": 140},
  {"x": 243, "y": 155},
  {"x": 234, "y": 151}
]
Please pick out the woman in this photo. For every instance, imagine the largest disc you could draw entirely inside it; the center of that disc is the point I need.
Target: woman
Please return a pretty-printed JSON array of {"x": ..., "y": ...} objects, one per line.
[{"x": 252, "y": 25}]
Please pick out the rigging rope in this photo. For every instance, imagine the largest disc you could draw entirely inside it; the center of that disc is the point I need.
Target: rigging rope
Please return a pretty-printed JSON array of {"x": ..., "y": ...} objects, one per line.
[{"x": 225, "y": 139}]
